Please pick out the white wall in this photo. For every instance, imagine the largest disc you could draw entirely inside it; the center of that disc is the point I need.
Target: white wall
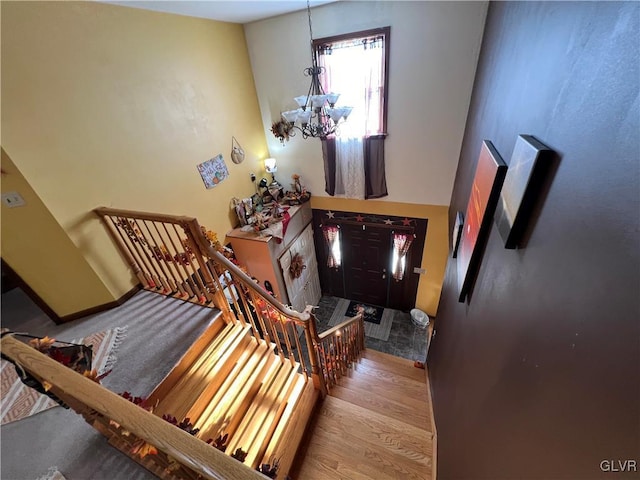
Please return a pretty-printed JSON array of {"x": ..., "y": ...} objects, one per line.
[{"x": 434, "y": 49}]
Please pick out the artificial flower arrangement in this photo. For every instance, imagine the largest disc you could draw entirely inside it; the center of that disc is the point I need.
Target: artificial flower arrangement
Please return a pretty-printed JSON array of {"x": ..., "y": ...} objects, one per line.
[
  {"x": 281, "y": 129},
  {"x": 299, "y": 194}
]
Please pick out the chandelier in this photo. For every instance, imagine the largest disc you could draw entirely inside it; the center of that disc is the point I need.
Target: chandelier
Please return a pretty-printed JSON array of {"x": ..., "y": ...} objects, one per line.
[{"x": 316, "y": 115}]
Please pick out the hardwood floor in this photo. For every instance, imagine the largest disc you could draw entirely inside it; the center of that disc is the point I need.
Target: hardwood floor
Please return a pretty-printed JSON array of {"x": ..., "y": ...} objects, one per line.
[{"x": 377, "y": 424}]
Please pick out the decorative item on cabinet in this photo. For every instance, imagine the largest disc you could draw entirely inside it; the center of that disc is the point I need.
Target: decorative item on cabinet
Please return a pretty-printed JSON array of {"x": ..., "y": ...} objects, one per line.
[
  {"x": 299, "y": 194},
  {"x": 270, "y": 260}
]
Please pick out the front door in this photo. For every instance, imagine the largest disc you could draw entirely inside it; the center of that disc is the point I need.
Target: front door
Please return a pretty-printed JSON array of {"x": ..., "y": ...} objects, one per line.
[{"x": 367, "y": 257}]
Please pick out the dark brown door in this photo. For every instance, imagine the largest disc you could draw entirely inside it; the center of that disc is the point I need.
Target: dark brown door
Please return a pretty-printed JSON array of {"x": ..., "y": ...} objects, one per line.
[{"x": 367, "y": 258}]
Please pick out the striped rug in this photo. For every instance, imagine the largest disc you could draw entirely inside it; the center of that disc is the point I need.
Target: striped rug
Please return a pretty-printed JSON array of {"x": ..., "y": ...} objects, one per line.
[{"x": 19, "y": 401}]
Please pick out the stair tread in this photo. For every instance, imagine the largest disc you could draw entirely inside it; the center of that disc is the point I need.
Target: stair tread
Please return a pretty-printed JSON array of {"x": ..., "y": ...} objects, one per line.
[
  {"x": 344, "y": 459},
  {"x": 391, "y": 363},
  {"x": 417, "y": 415},
  {"x": 354, "y": 439},
  {"x": 267, "y": 416},
  {"x": 243, "y": 368},
  {"x": 214, "y": 369},
  {"x": 286, "y": 439},
  {"x": 277, "y": 417},
  {"x": 225, "y": 416},
  {"x": 243, "y": 437},
  {"x": 376, "y": 376}
]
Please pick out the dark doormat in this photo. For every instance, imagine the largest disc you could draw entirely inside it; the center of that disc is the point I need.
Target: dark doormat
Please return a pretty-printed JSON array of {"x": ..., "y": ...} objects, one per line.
[{"x": 371, "y": 314}]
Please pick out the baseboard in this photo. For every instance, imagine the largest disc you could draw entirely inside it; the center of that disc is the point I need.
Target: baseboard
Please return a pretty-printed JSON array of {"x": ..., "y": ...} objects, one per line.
[{"x": 99, "y": 308}]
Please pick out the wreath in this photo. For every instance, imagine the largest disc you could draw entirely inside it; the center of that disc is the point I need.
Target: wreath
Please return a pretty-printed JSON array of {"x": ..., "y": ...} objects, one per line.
[{"x": 296, "y": 266}]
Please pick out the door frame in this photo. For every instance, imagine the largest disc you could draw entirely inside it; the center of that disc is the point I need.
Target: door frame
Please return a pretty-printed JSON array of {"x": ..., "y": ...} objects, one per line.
[{"x": 401, "y": 295}]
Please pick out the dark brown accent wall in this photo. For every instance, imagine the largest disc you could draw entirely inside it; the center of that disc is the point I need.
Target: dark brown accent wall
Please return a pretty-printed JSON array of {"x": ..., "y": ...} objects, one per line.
[{"x": 538, "y": 376}]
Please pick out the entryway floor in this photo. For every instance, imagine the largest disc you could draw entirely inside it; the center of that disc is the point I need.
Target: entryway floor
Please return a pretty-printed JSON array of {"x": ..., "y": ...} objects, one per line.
[{"x": 406, "y": 340}]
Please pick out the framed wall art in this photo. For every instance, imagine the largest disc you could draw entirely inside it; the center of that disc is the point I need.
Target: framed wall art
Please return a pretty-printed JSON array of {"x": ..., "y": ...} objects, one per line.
[
  {"x": 478, "y": 218},
  {"x": 530, "y": 161},
  {"x": 457, "y": 234},
  {"x": 213, "y": 171}
]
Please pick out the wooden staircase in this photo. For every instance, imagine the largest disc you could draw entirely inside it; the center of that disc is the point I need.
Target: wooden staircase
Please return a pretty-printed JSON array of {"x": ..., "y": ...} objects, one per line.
[
  {"x": 377, "y": 423},
  {"x": 239, "y": 387}
]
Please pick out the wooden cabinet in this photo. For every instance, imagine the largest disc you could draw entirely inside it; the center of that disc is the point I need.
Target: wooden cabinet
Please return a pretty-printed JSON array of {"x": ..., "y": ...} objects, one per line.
[{"x": 269, "y": 258}]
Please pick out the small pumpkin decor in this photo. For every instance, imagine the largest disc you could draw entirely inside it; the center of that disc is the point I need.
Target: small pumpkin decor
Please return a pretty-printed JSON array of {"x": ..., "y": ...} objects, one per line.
[{"x": 297, "y": 265}]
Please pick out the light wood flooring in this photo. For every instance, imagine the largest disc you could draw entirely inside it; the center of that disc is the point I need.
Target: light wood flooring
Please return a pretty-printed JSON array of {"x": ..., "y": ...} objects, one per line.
[{"x": 377, "y": 424}]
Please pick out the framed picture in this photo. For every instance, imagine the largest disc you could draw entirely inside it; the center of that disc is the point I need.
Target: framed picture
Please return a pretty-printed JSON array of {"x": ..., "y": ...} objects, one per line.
[
  {"x": 529, "y": 163},
  {"x": 478, "y": 218},
  {"x": 213, "y": 171},
  {"x": 457, "y": 234}
]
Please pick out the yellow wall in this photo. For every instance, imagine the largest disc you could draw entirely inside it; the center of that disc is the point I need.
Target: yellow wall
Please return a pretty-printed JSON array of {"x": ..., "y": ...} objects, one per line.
[
  {"x": 39, "y": 250},
  {"x": 115, "y": 106},
  {"x": 436, "y": 246}
]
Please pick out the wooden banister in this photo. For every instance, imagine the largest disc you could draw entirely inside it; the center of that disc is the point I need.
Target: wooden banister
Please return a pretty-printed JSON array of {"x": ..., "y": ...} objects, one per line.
[
  {"x": 178, "y": 444},
  {"x": 341, "y": 326}
]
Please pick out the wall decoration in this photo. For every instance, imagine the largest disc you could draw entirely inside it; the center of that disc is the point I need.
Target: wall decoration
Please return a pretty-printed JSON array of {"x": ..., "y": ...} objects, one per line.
[
  {"x": 485, "y": 192},
  {"x": 213, "y": 171},
  {"x": 530, "y": 161},
  {"x": 457, "y": 234},
  {"x": 237, "y": 152}
]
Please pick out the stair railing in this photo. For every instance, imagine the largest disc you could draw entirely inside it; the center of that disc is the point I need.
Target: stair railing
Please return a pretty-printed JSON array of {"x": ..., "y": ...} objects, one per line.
[
  {"x": 339, "y": 347},
  {"x": 173, "y": 255},
  {"x": 122, "y": 421}
]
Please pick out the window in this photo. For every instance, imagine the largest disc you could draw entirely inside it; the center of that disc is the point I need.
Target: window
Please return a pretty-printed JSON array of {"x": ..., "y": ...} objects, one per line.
[
  {"x": 356, "y": 66},
  {"x": 401, "y": 244},
  {"x": 331, "y": 235}
]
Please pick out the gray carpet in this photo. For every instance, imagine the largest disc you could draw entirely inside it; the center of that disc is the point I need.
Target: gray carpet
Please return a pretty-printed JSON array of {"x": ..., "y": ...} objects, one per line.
[{"x": 159, "y": 332}]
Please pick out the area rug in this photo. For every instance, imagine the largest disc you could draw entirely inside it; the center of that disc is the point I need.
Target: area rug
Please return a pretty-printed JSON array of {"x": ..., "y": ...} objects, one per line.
[
  {"x": 19, "y": 401},
  {"x": 372, "y": 314},
  {"x": 378, "y": 330}
]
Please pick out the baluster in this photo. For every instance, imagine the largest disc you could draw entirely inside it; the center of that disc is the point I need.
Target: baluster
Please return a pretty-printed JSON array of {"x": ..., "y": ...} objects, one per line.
[
  {"x": 257, "y": 305},
  {"x": 303, "y": 363},
  {"x": 183, "y": 284},
  {"x": 271, "y": 325},
  {"x": 286, "y": 325},
  {"x": 144, "y": 242},
  {"x": 125, "y": 225},
  {"x": 199, "y": 246},
  {"x": 168, "y": 259},
  {"x": 157, "y": 255},
  {"x": 139, "y": 242},
  {"x": 193, "y": 278},
  {"x": 172, "y": 253},
  {"x": 131, "y": 258}
]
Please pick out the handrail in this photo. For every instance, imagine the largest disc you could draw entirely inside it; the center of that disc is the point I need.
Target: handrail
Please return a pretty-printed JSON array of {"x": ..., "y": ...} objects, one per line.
[
  {"x": 180, "y": 445},
  {"x": 333, "y": 330},
  {"x": 153, "y": 255}
]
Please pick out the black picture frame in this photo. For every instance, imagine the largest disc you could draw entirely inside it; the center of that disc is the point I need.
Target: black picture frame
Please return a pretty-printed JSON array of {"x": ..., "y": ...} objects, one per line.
[
  {"x": 478, "y": 218},
  {"x": 457, "y": 234},
  {"x": 530, "y": 161}
]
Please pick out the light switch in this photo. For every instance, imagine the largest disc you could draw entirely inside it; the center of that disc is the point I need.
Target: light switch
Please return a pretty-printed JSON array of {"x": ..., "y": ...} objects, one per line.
[{"x": 13, "y": 199}]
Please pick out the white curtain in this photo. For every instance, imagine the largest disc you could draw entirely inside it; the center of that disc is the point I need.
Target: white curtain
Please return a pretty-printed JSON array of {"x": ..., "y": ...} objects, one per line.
[
  {"x": 355, "y": 69},
  {"x": 350, "y": 180}
]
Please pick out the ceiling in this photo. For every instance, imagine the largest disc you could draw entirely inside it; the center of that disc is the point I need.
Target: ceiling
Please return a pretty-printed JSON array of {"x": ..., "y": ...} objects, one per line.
[{"x": 235, "y": 11}]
